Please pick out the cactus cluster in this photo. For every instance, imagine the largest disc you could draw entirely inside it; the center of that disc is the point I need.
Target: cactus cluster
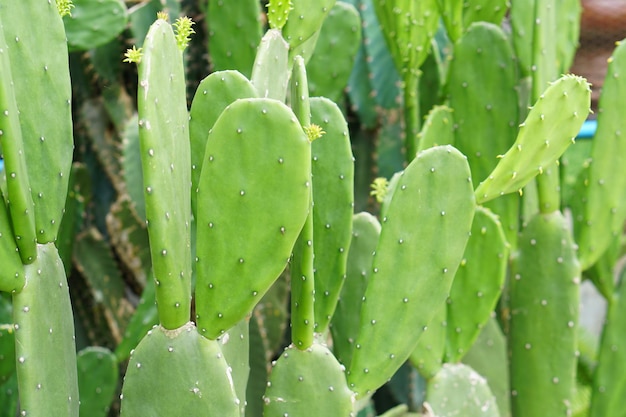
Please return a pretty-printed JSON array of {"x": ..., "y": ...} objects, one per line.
[{"x": 195, "y": 233}]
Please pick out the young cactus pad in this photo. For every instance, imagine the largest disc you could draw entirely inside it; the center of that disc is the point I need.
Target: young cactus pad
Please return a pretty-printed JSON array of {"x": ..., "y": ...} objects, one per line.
[
  {"x": 305, "y": 19},
  {"x": 544, "y": 317},
  {"x": 257, "y": 170},
  {"x": 165, "y": 160},
  {"x": 43, "y": 94},
  {"x": 270, "y": 73},
  {"x": 550, "y": 127},
  {"x": 424, "y": 233},
  {"x": 178, "y": 372},
  {"x": 308, "y": 383},
  {"x": 44, "y": 339}
]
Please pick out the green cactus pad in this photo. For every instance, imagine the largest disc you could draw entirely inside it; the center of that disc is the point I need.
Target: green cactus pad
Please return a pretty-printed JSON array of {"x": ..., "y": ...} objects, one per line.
[
  {"x": 333, "y": 196},
  {"x": 270, "y": 73},
  {"x": 438, "y": 129},
  {"x": 12, "y": 276},
  {"x": 213, "y": 95},
  {"x": 43, "y": 94},
  {"x": 44, "y": 339},
  {"x": 305, "y": 19},
  {"x": 544, "y": 303},
  {"x": 94, "y": 23},
  {"x": 478, "y": 283},
  {"x": 408, "y": 27},
  {"x": 178, "y": 372},
  {"x": 452, "y": 15},
  {"x": 234, "y": 33},
  {"x": 427, "y": 357},
  {"x": 278, "y": 13},
  {"x": 432, "y": 203},
  {"x": 165, "y": 158},
  {"x": 346, "y": 320},
  {"x": 457, "y": 390},
  {"x": 331, "y": 64},
  {"x": 256, "y": 170},
  {"x": 492, "y": 11},
  {"x": 98, "y": 374},
  {"x": 235, "y": 345},
  {"x": 7, "y": 352},
  {"x": 607, "y": 398},
  {"x": 18, "y": 196},
  {"x": 550, "y": 127},
  {"x": 308, "y": 382},
  {"x": 605, "y": 200}
]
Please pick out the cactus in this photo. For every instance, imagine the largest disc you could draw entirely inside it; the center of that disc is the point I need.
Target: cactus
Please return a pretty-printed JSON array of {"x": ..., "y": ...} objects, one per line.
[
  {"x": 485, "y": 134},
  {"x": 91, "y": 24},
  {"x": 477, "y": 285},
  {"x": 544, "y": 301},
  {"x": 262, "y": 177},
  {"x": 213, "y": 95},
  {"x": 235, "y": 346},
  {"x": 164, "y": 136},
  {"x": 43, "y": 321},
  {"x": 556, "y": 119},
  {"x": 308, "y": 382},
  {"x": 234, "y": 32},
  {"x": 270, "y": 73},
  {"x": 438, "y": 128},
  {"x": 198, "y": 383},
  {"x": 98, "y": 374},
  {"x": 604, "y": 209},
  {"x": 345, "y": 322},
  {"x": 459, "y": 390},
  {"x": 335, "y": 49},
  {"x": 333, "y": 196},
  {"x": 305, "y": 20},
  {"x": 403, "y": 269},
  {"x": 492, "y": 11},
  {"x": 428, "y": 355},
  {"x": 608, "y": 379}
]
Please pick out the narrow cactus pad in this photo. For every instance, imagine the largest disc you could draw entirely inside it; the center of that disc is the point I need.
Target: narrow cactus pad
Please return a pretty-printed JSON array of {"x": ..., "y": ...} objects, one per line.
[
  {"x": 308, "y": 383},
  {"x": 605, "y": 200},
  {"x": 178, "y": 372},
  {"x": 607, "y": 398},
  {"x": 43, "y": 94},
  {"x": 544, "y": 317},
  {"x": 550, "y": 127},
  {"x": 477, "y": 284},
  {"x": 333, "y": 198},
  {"x": 424, "y": 233},
  {"x": 12, "y": 276},
  {"x": 44, "y": 339},
  {"x": 253, "y": 198},
  {"x": 427, "y": 357},
  {"x": 234, "y": 34},
  {"x": 98, "y": 375},
  {"x": 346, "y": 320},
  {"x": 19, "y": 199},
  {"x": 165, "y": 160},
  {"x": 457, "y": 390}
]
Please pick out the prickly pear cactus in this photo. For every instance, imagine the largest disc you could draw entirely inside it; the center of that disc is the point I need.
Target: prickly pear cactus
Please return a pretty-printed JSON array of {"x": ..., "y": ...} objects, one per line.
[
  {"x": 550, "y": 127},
  {"x": 305, "y": 19},
  {"x": 42, "y": 314},
  {"x": 458, "y": 390},
  {"x": 198, "y": 380},
  {"x": 544, "y": 304},
  {"x": 270, "y": 73},
  {"x": 305, "y": 382},
  {"x": 256, "y": 168},
  {"x": 605, "y": 201},
  {"x": 477, "y": 285},
  {"x": 433, "y": 200},
  {"x": 165, "y": 157},
  {"x": 94, "y": 23},
  {"x": 333, "y": 195},
  {"x": 98, "y": 374}
]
